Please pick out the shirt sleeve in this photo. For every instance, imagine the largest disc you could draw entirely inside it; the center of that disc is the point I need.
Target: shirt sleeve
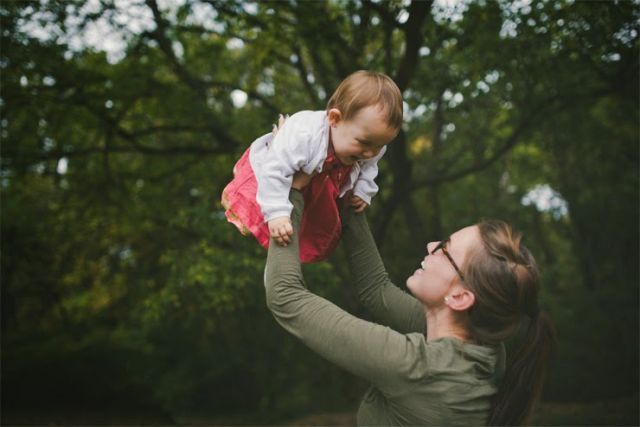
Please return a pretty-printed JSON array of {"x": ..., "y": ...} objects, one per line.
[
  {"x": 365, "y": 187},
  {"x": 287, "y": 154},
  {"x": 388, "y": 304},
  {"x": 371, "y": 351}
]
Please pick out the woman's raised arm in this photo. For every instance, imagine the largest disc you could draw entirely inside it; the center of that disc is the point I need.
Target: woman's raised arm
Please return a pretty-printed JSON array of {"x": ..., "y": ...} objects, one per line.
[
  {"x": 374, "y": 352},
  {"x": 388, "y": 304}
]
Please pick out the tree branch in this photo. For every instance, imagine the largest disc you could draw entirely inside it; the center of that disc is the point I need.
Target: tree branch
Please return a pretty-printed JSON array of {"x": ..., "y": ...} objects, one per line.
[
  {"x": 385, "y": 15},
  {"x": 400, "y": 164},
  {"x": 197, "y": 85},
  {"x": 303, "y": 72},
  {"x": 511, "y": 141},
  {"x": 131, "y": 137},
  {"x": 418, "y": 13},
  {"x": 115, "y": 149}
]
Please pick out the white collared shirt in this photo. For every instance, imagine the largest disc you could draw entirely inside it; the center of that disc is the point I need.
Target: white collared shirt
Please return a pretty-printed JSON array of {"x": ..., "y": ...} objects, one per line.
[{"x": 301, "y": 144}]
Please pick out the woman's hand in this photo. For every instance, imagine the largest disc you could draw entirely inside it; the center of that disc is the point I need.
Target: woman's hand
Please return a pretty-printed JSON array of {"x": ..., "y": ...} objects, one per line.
[
  {"x": 281, "y": 120},
  {"x": 301, "y": 180},
  {"x": 357, "y": 203}
]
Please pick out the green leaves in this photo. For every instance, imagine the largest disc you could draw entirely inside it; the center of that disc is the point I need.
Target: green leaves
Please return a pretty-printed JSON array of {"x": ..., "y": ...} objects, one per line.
[{"x": 111, "y": 173}]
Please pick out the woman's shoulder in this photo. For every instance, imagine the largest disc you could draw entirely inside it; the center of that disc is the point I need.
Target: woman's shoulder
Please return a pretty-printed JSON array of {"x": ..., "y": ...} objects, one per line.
[
  {"x": 458, "y": 346},
  {"x": 419, "y": 359},
  {"x": 449, "y": 353}
]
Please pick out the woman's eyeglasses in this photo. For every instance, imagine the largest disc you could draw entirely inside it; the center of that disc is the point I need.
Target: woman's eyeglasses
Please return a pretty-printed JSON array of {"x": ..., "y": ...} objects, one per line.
[{"x": 443, "y": 246}]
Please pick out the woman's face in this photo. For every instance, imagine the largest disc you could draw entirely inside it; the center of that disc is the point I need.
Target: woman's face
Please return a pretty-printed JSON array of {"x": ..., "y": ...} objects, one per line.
[{"x": 437, "y": 276}]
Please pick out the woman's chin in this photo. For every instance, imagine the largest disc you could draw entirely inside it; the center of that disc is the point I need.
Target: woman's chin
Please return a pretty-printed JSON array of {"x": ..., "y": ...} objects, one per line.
[{"x": 410, "y": 283}]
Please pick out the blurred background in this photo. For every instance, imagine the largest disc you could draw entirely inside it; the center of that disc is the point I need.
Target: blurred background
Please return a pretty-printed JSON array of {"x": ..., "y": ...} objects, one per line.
[{"x": 127, "y": 298}]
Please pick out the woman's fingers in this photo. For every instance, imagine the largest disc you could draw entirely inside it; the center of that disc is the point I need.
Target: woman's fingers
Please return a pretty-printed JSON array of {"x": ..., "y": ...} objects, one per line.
[
  {"x": 357, "y": 204},
  {"x": 300, "y": 180},
  {"x": 281, "y": 120},
  {"x": 359, "y": 207}
]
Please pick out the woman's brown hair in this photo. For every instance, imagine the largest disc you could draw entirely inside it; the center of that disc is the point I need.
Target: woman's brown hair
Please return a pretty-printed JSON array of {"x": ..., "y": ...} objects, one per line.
[
  {"x": 364, "y": 88},
  {"x": 503, "y": 276}
]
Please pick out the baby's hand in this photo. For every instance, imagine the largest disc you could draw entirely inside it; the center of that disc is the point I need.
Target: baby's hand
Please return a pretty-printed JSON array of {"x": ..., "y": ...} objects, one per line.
[
  {"x": 281, "y": 230},
  {"x": 357, "y": 203}
]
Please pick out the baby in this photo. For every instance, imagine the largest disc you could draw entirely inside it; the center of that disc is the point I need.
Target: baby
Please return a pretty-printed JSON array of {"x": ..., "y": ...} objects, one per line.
[{"x": 340, "y": 147}]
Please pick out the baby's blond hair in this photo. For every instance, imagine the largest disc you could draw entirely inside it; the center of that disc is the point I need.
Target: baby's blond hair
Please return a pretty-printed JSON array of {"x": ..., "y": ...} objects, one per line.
[{"x": 364, "y": 88}]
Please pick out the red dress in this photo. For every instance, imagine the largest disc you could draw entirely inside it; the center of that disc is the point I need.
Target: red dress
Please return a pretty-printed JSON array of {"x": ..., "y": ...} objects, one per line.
[{"x": 320, "y": 228}]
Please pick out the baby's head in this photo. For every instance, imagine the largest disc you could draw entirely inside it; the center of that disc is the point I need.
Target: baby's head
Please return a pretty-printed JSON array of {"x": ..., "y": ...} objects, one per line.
[{"x": 365, "y": 114}]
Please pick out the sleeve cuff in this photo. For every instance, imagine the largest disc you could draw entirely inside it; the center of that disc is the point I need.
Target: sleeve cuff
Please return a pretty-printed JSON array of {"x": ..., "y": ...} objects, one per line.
[
  {"x": 277, "y": 214},
  {"x": 363, "y": 196}
]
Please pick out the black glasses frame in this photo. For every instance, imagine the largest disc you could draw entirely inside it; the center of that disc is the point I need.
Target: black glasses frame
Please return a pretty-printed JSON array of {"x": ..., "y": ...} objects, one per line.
[{"x": 443, "y": 247}]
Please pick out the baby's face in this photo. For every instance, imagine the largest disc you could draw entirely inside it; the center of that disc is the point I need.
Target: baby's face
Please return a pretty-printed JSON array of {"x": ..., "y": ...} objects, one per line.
[{"x": 361, "y": 137}]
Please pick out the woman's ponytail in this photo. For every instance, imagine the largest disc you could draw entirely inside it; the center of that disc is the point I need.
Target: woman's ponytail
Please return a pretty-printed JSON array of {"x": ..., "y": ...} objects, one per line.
[{"x": 522, "y": 384}]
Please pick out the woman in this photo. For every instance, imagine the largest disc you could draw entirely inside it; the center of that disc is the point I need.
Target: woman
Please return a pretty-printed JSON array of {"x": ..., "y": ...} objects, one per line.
[{"x": 434, "y": 358}]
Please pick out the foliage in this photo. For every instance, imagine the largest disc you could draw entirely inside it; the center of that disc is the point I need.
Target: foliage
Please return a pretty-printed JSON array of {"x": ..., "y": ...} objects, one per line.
[{"x": 121, "y": 276}]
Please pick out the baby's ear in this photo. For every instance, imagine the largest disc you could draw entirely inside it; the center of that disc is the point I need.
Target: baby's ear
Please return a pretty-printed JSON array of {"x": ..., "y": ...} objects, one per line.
[{"x": 334, "y": 116}]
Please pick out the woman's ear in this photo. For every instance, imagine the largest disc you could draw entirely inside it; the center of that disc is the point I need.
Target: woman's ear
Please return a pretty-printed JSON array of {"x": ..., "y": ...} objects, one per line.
[
  {"x": 461, "y": 300},
  {"x": 334, "y": 116}
]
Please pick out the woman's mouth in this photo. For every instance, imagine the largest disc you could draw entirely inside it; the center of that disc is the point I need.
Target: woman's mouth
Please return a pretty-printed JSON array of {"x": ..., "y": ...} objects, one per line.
[{"x": 421, "y": 269}]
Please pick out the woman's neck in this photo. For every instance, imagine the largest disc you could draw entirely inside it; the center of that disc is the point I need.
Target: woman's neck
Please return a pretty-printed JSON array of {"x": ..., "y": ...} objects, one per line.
[{"x": 440, "y": 324}]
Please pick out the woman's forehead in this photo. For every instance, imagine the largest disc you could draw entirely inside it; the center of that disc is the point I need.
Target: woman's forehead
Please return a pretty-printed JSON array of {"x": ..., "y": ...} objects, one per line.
[{"x": 464, "y": 238}]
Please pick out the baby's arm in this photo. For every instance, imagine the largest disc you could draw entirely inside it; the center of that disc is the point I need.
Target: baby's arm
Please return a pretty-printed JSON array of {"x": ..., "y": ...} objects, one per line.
[
  {"x": 365, "y": 187},
  {"x": 287, "y": 154},
  {"x": 281, "y": 229}
]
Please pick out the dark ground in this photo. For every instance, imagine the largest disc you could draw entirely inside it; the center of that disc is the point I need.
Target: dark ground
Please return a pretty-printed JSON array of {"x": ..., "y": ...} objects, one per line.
[{"x": 618, "y": 412}]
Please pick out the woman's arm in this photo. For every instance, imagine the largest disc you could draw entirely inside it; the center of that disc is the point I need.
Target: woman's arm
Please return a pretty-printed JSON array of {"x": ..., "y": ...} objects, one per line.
[
  {"x": 387, "y": 303},
  {"x": 371, "y": 351}
]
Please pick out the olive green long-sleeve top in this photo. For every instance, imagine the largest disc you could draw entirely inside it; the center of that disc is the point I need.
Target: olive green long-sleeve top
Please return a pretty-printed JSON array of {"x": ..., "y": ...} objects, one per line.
[{"x": 414, "y": 381}]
